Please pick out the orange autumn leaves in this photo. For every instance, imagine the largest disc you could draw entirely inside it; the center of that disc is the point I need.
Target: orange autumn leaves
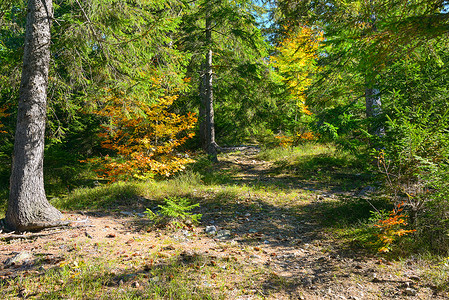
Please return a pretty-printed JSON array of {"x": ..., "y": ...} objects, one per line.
[
  {"x": 290, "y": 141},
  {"x": 2, "y": 115},
  {"x": 392, "y": 227},
  {"x": 143, "y": 137}
]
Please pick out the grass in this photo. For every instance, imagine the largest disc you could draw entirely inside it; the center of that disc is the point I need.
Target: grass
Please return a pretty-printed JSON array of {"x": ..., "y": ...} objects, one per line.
[
  {"x": 108, "y": 196},
  {"x": 320, "y": 163},
  {"x": 281, "y": 153},
  {"x": 153, "y": 275},
  {"x": 173, "y": 278}
]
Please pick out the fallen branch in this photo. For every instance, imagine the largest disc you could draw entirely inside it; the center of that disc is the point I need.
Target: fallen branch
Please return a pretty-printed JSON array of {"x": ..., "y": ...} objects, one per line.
[{"x": 13, "y": 236}]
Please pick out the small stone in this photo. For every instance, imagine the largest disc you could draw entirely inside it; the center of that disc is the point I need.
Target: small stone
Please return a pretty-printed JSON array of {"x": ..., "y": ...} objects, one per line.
[
  {"x": 212, "y": 230},
  {"x": 19, "y": 258},
  {"x": 206, "y": 284},
  {"x": 252, "y": 230},
  {"x": 185, "y": 232},
  {"x": 255, "y": 256},
  {"x": 410, "y": 292},
  {"x": 307, "y": 281},
  {"x": 223, "y": 234},
  {"x": 127, "y": 213}
]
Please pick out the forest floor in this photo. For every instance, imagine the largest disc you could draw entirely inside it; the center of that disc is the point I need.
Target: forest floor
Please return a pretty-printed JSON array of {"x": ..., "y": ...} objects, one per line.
[{"x": 261, "y": 237}]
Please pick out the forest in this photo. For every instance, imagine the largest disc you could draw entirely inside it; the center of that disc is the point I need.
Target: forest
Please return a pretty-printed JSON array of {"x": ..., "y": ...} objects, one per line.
[{"x": 224, "y": 149}]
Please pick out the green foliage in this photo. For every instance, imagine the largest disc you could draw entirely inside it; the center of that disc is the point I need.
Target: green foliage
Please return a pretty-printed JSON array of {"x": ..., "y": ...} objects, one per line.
[
  {"x": 64, "y": 173},
  {"x": 415, "y": 165},
  {"x": 244, "y": 104},
  {"x": 175, "y": 213}
]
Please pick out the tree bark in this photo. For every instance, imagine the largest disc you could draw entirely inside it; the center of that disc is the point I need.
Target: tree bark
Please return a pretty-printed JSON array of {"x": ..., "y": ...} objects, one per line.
[
  {"x": 373, "y": 103},
  {"x": 202, "y": 110},
  {"x": 207, "y": 126},
  {"x": 28, "y": 208}
]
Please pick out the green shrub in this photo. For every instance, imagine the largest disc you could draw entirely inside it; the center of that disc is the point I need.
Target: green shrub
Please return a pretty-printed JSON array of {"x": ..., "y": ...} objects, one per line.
[
  {"x": 175, "y": 213},
  {"x": 415, "y": 163}
]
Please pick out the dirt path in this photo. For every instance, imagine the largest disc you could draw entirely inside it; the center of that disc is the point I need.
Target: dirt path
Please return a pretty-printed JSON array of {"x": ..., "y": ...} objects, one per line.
[{"x": 258, "y": 246}]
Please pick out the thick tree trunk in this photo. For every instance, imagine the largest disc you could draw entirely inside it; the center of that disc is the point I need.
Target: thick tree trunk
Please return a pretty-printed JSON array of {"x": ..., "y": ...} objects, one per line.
[
  {"x": 207, "y": 127},
  {"x": 28, "y": 208}
]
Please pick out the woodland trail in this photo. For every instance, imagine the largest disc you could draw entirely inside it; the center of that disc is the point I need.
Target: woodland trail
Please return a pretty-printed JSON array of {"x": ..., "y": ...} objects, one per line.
[{"x": 259, "y": 239}]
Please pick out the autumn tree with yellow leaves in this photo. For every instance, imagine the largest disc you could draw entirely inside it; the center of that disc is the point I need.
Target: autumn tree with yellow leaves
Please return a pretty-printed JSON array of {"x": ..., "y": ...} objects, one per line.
[{"x": 294, "y": 62}]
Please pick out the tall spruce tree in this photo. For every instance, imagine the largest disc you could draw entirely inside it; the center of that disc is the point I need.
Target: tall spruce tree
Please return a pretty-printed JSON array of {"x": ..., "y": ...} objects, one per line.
[
  {"x": 28, "y": 208},
  {"x": 216, "y": 32},
  {"x": 98, "y": 48}
]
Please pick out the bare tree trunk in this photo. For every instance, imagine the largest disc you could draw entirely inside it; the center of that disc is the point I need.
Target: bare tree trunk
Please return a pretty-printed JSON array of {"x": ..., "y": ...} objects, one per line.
[
  {"x": 28, "y": 208},
  {"x": 202, "y": 110},
  {"x": 207, "y": 128}
]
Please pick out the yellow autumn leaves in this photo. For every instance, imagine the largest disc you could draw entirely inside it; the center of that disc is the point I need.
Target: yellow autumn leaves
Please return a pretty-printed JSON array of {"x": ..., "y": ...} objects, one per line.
[{"x": 295, "y": 61}]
